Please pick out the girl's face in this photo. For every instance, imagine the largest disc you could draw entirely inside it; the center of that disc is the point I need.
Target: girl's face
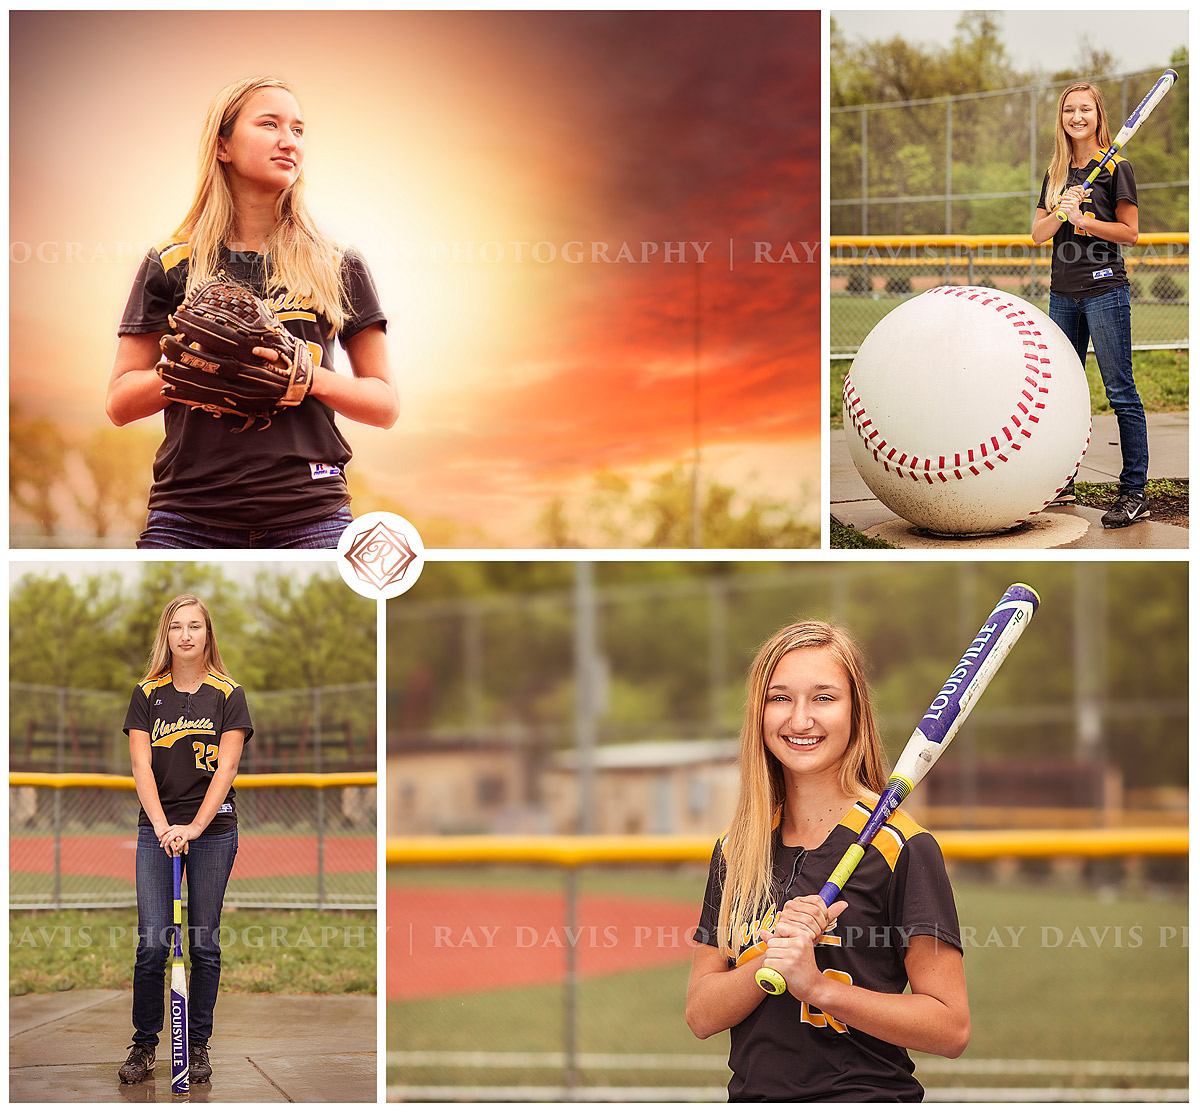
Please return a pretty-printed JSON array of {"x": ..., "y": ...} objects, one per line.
[
  {"x": 265, "y": 150},
  {"x": 187, "y": 636},
  {"x": 806, "y": 719},
  {"x": 1080, "y": 117}
]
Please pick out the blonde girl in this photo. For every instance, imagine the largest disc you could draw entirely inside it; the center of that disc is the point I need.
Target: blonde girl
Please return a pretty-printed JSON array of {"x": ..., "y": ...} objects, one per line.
[
  {"x": 285, "y": 485},
  {"x": 1089, "y": 288},
  {"x": 187, "y": 724},
  {"x": 811, "y": 770}
]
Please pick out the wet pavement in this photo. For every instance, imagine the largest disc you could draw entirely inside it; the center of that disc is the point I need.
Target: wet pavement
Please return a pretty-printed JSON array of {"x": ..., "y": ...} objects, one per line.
[{"x": 68, "y": 1046}]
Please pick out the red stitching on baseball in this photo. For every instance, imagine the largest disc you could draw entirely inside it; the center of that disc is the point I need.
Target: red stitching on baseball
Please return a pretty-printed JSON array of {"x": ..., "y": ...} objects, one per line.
[{"x": 1029, "y": 336}]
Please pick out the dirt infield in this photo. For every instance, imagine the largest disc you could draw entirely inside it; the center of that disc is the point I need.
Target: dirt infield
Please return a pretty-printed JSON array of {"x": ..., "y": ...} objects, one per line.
[
  {"x": 443, "y": 941},
  {"x": 258, "y": 857}
]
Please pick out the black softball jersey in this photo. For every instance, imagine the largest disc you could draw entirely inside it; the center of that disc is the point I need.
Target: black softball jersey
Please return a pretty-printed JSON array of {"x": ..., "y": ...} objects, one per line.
[
  {"x": 1083, "y": 266},
  {"x": 185, "y": 736},
  {"x": 207, "y": 469},
  {"x": 786, "y": 1050}
]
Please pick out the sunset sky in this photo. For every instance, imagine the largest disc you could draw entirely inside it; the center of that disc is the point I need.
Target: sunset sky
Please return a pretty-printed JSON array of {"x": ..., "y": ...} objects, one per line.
[{"x": 514, "y": 182}]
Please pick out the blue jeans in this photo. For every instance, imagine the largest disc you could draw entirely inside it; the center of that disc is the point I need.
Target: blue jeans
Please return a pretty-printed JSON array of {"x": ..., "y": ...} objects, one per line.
[
  {"x": 206, "y": 868},
  {"x": 167, "y": 531},
  {"x": 1106, "y": 318}
]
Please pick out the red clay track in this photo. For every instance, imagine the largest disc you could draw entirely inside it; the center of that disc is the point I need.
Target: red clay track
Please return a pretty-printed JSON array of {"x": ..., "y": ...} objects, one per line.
[
  {"x": 258, "y": 857},
  {"x": 443, "y": 941}
]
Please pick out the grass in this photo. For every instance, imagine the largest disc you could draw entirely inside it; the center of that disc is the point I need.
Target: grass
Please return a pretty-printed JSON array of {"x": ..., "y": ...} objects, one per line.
[
  {"x": 684, "y": 882},
  {"x": 1161, "y": 376},
  {"x": 1052, "y": 974},
  {"x": 38, "y": 887},
  {"x": 1102, "y": 495},
  {"x": 847, "y": 538},
  {"x": 262, "y": 951},
  {"x": 852, "y": 317}
]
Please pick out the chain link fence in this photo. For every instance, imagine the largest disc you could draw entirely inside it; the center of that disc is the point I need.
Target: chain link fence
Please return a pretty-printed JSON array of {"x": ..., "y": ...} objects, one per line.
[
  {"x": 303, "y": 841},
  {"x": 306, "y": 799},
  {"x": 973, "y": 163},
  {"x": 60, "y": 729},
  {"x": 870, "y": 276},
  {"x": 513, "y": 739}
]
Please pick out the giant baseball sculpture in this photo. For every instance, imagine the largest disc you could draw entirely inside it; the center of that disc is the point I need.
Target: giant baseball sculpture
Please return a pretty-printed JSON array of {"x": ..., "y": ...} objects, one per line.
[{"x": 966, "y": 411}]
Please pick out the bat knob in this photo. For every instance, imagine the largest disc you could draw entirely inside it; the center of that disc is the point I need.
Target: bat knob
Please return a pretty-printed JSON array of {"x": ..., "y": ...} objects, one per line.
[{"x": 771, "y": 981}]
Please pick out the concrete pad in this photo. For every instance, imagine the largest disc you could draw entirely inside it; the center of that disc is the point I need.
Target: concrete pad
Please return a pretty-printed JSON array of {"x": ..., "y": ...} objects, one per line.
[
  {"x": 27, "y": 1012},
  {"x": 343, "y": 1077},
  {"x": 1041, "y": 532},
  {"x": 1054, "y": 529},
  {"x": 89, "y": 1084},
  {"x": 853, "y": 504},
  {"x": 68, "y": 1046}
]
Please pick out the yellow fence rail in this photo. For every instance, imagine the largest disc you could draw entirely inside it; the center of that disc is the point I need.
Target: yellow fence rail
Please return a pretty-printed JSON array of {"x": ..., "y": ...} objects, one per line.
[
  {"x": 941, "y": 240},
  {"x": 871, "y": 275},
  {"x": 125, "y": 782},
  {"x": 307, "y": 840},
  {"x": 578, "y": 852}
]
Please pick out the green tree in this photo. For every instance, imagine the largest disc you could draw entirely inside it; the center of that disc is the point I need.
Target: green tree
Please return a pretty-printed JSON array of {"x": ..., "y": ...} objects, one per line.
[
  {"x": 119, "y": 493},
  {"x": 36, "y": 463},
  {"x": 905, "y": 152},
  {"x": 660, "y": 513},
  {"x": 308, "y": 632}
]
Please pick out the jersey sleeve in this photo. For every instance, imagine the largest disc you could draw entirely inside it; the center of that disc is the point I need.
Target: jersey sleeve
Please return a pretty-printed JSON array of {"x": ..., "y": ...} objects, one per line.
[
  {"x": 706, "y": 927},
  {"x": 365, "y": 307},
  {"x": 236, "y": 714},
  {"x": 156, "y": 293},
  {"x": 1123, "y": 186},
  {"x": 920, "y": 899},
  {"x": 138, "y": 715}
]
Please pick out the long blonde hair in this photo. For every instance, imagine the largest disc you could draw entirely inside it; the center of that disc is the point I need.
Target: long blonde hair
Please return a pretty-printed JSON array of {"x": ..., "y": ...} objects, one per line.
[
  {"x": 1060, "y": 165},
  {"x": 303, "y": 260},
  {"x": 160, "y": 654},
  {"x": 748, "y": 886}
]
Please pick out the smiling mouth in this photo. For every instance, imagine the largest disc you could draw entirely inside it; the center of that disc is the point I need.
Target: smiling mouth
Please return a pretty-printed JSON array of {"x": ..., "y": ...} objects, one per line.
[{"x": 804, "y": 741}]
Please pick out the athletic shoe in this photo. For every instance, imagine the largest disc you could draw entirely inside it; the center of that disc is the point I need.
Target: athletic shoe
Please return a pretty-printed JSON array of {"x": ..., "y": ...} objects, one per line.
[
  {"x": 199, "y": 1068},
  {"x": 1129, "y": 508},
  {"x": 1066, "y": 496},
  {"x": 138, "y": 1065}
]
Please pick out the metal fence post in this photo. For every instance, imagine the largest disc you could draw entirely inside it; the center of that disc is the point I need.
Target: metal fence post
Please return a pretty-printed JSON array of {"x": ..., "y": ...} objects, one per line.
[
  {"x": 949, "y": 164},
  {"x": 863, "y": 121},
  {"x": 320, "y": 801},
  {"x": 62, "y": 716},
  {"x": 570, "y": 999}
]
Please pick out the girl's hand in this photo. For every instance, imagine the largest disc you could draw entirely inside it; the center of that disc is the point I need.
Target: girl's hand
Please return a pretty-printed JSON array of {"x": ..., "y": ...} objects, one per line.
[
  {"x": 1070, "y": 204},
  {"x": 791, "y": 944},
  {"x": 175, "y": 838}
]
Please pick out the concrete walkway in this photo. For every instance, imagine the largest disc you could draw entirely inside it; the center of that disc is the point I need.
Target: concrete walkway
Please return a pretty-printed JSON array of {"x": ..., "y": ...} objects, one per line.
[
  {"x": 852, "y": 503},
  {"x": 68, "y": 1046}
]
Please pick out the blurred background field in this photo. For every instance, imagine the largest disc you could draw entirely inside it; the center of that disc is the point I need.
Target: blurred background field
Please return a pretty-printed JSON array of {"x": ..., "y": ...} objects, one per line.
[
  {"x": 604, "y": 699},
  {"x": 1053, "y": 972}
]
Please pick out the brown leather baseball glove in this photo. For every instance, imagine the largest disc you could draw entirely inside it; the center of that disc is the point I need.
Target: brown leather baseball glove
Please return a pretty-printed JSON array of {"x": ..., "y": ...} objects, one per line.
[{"x": 210, "y": 362}]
